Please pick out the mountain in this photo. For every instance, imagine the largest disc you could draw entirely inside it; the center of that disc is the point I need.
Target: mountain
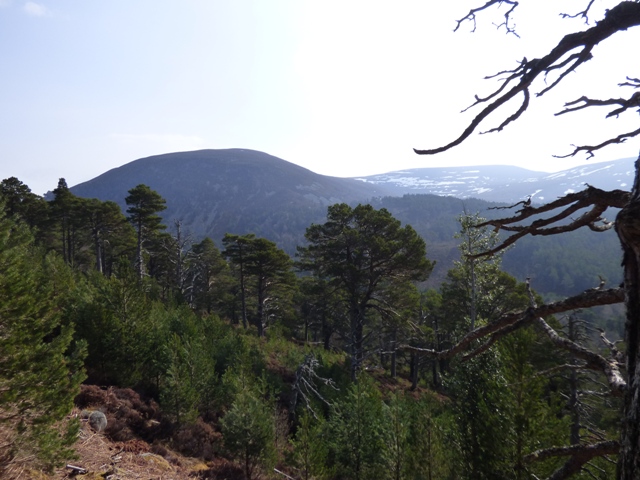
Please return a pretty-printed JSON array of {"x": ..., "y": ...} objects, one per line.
[
  {"x": 500, "y": 183},
  {"x": 213, "y": 192}
]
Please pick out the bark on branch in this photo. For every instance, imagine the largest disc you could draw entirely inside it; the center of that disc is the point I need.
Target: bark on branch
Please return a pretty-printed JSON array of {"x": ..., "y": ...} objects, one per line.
[
  {"x": 580, "y": 454},
  {"x": 511, "y": 321},
  {"x": 597, "y": 200},
  {"x": 610, "y": 367}
]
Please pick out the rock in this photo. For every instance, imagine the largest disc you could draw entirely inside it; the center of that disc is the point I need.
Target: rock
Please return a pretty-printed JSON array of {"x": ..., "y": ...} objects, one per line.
[{"x": 97, "y": 421}]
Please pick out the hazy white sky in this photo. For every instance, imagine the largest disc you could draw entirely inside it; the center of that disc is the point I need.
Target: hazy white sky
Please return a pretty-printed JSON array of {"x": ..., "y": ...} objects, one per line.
[{"x": 341, "y": 87}]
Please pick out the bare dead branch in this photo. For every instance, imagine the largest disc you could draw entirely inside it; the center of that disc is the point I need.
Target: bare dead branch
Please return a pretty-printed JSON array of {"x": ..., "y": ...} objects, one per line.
[
  {"x": 613, "y": 348},
  {"x": 623, "y": 16},
  {"x": 283, "y": 474},
  {"x": 585, "y": 102},
  {"x": 471, "y": 16},
  {"x": 305, "y": 384},
  {"x": 585, "y": 198},
  {"x": 584, "y": 13},
  {"x": 631, "y": 82},
  {"x": 505, "y": 83},
  {"x": 592, "y": 148},
  {"x": 610, "y": 367},
  {"x": 598, "y": 200},
  {"x": 580, "y": 455},
  {"x": 577, "y": 59},
  {"x": 76, "y": 470},
  {"x": 587, "y": 219},
  {"x": 609, "y": 447},
  {"x": 511, "y": 118},
  {"x": 557, "y": 368},
  {"x": 506, "y": 323}
]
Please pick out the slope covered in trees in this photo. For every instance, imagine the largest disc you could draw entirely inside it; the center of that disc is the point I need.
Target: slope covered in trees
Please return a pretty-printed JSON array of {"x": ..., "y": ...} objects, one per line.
[
  {"x": 214, "y": 192},
  {"x": 317, "y": 365}
]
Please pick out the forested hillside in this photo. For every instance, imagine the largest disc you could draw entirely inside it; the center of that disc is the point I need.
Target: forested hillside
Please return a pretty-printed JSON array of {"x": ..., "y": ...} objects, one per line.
[
  {"x": 215, "y": 192},
  {"x": 559, "y": 265},
  {"x": 261, "y": 364}
]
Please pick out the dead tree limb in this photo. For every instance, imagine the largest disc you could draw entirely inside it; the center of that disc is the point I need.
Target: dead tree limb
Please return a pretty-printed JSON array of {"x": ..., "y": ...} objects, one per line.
[
  {"x": 579, "y": 456},
  {"x": 596, "y": 200},
  {"x": 571, "y": 51},
  {"x": 610, "y": 367},
  {"x": 471, "y": 16},
  {"x": 511, "y": 321},
  {"x": 584, "y": 13},
  {"x": 623, "y": 137}
]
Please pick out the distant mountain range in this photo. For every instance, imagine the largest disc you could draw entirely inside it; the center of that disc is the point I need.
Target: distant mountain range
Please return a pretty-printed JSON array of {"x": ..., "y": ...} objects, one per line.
[
  {"x": 508, "y": 184},
  {"x": 213, "y": 192}
]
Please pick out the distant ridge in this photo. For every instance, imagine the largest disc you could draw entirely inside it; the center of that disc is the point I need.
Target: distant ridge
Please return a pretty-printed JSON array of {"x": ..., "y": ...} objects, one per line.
[{"x": 503, "y": 183}]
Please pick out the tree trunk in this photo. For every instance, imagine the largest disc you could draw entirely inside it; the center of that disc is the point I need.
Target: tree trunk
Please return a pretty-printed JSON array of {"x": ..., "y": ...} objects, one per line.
[
  {"x": 628, "y": 229},
  {"x": 574, "y": 406},
  {"x": 139, "y": 257},
  {"x": 356, "y": 334},
  {"x": 180, "y": 257},
  {"x": 415, "y": 359},
  {"x": 98, "y": 251},
  {"x": 394, "y": 357},
  {"x": 243, "y": 296},
  {"x": 473, "y": 307},
  {"x": 260, "y": 323},
  {"x": 326, "y": 336}
]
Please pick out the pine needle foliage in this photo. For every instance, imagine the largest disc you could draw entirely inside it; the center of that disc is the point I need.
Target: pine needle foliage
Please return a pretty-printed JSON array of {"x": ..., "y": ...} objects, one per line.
[{"x": 39, "y": 374}]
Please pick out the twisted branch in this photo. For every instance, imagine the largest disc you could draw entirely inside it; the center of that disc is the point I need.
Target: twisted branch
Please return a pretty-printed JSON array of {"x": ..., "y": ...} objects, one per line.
[
  {"x": 510, "y": 321},
  {"x": 594, "y": 198},
  {"x": 622, "y": 17}
]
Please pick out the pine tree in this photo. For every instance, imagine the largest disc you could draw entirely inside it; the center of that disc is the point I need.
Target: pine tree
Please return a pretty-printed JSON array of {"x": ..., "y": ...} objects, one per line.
[
  {"x": 109, "y": 231},
  {"x": 273, "y": 279},
  {"x": 208, "y": 277},
  {"x": 64, "y": 210},
  {"x": 40, "y": 371},
  {"x": 430, "y": 457},
  {"x": 237, "y": 249},
  {"x": 358, "y": 433},
  {"x": 310, "y": 447},
  {"x": 21, "y": 202},
  {"x": 263, "y": 270},
  {"x": 363, "y": 252},
  {"x": 144, "y": 204},
  {"x": 124, "y": 329},
  {"x": 248, "y": 427},
  {"x": 181, "y": 395}
]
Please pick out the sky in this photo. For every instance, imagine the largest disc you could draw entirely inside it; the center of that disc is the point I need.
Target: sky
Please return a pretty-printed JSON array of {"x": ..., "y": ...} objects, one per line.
[{"x": 341, "y": 87}]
